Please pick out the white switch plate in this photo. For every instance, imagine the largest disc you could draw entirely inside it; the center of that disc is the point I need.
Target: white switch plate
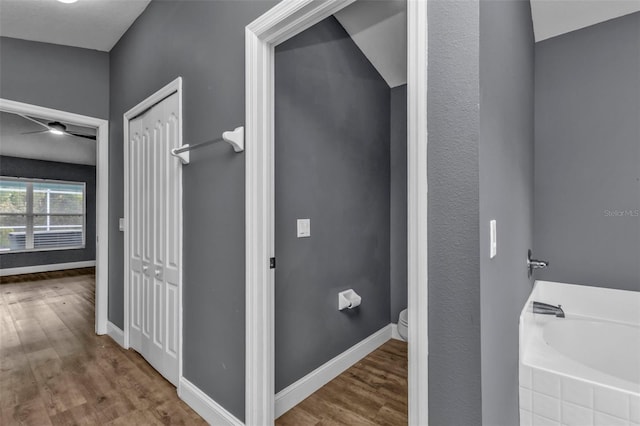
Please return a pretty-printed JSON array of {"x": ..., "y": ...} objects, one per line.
[
  {"x": 304, "y": 228},
  {"x": 121, "y": 224},
  {"x": 494, "y": 239}
]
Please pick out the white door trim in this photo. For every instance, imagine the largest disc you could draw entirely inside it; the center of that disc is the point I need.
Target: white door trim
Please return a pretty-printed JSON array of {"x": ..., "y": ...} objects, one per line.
[
  {"x": 102, "y": 193},
  {"x": 417, "y": 196},
  {"x": 282, "y": 22},
  {"x": 173, "y": 87}
]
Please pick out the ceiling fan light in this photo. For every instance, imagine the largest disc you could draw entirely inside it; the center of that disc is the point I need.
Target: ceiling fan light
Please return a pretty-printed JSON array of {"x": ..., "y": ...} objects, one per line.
[{"x": 56, "y": 132}]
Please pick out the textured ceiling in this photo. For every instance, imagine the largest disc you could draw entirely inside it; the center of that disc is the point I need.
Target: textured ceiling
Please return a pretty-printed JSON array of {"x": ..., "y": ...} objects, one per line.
[
  {"x": 377, "y": 26},
  {"x": 379, "y": 29},
  {"x": 92, "y": 24},
  {"x": 554, "y": 17},
  {"x": 44, "y": 146}
]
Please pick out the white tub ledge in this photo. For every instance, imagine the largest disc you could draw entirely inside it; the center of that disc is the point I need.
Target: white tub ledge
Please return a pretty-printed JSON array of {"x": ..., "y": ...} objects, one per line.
[{"x": 584, "y": 369}]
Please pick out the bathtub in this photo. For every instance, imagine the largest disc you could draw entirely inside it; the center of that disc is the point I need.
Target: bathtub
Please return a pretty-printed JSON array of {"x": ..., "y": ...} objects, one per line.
[{"x": 584, "y": 369}]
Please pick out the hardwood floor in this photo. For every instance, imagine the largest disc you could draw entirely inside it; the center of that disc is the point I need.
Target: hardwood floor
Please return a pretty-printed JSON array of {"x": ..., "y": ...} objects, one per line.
[
  {"x": 372, "y": 392},
  {"x": 55, "y": 370},
  {"x": 37, "y": 276}
]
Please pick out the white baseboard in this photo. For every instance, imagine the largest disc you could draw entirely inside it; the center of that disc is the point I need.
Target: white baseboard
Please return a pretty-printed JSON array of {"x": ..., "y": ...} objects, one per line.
[
  {"x": 115, "y": 333},
  {"x": 206, "y": 407},
  {"x": 394, "y": 332},
  {"x": 293, "y": 394},
  {"x": 46, "y": 268}
]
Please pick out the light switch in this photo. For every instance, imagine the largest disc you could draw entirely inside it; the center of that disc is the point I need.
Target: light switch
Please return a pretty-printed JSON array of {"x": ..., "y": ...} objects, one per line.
[
  {"x": 121, "y": 224},
  {"x": 493, "y": 239},
  {"x": 304, "y": 228}
]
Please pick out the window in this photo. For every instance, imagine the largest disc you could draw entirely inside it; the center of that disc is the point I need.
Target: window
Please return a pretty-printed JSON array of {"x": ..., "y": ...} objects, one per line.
[{"x": 41, "y": 214}]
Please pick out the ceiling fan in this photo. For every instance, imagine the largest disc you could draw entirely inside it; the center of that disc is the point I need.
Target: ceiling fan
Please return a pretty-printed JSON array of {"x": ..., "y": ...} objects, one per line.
[{"x": 55, "y": 127}]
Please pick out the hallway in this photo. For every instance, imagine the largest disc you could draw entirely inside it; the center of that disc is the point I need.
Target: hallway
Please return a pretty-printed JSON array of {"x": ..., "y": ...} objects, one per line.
[{"x": 55, "y": 370}]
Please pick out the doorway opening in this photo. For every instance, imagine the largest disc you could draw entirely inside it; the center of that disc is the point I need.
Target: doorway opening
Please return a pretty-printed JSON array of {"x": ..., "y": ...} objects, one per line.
[
  {"x": 340, "y": 156},
  {"x": 276, "y": 26},
  {"x": 66, "y": 121}
]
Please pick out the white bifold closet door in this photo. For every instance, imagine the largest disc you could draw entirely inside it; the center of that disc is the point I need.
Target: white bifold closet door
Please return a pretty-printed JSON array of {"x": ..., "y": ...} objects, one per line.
[{"x": 154, "y": 220}]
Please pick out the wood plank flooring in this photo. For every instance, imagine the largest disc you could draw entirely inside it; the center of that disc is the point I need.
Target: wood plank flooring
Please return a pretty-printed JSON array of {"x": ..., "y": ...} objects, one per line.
[
  {"x": 54, "y": 370},
  {"x": 37, "y": 276},
  {"x": 372, "y": 392}
]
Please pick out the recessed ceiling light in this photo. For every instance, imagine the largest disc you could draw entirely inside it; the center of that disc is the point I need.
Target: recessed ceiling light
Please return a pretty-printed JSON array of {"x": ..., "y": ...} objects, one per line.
[
  {"x": 67, "y": 1},
  {"x": 54, "y": 131}
]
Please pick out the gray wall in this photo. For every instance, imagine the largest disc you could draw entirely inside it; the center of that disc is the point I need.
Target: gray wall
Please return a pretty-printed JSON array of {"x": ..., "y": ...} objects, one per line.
[
  {"x": 454, "y": 264},
  {"x": 506, "y": 195},
  {"x": 332, "y": 128},
  {"x": 587, "y": 155},
  {"x": 60, "y": 77},
  {"x": 22, "y": 167},
  {"x": 202, "y": 41},
  {"x": 398, "y": 280}
]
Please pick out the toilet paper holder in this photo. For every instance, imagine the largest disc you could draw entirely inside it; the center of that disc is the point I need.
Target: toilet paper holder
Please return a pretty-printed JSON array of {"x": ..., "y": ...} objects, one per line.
[{"x": 348, "y": 299}]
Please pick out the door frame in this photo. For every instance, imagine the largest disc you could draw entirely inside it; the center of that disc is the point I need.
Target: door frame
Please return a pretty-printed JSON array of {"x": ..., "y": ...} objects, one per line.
[
  {"x": 174, "y": 86},
  {"x": 102, "y": 193},
  {"x": 283, "y": 21}
]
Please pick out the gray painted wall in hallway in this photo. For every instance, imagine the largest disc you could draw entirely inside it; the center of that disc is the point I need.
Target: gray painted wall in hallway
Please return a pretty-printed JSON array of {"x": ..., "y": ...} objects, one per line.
[
  {"x": 59, "y": 77},
  {"x": 38, "y": 169},
  {"x": 332, "y": 128},
  {"x": 189, "y": 38},
  {"x": 587, "y": 155},
  {"x": 454, "y": 263},
  {"x": 398, "y": 271},
  {"x": 506, "y": 194},
  {"x": 202, "y": 41}
]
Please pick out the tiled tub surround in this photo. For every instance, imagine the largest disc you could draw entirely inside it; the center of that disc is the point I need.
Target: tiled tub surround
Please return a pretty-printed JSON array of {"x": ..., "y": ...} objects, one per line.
[{"x": 584, "y": 369}]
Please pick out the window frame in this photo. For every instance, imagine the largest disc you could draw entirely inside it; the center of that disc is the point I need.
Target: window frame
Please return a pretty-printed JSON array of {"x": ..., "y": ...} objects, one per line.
[{"x": 30, "y": 215}]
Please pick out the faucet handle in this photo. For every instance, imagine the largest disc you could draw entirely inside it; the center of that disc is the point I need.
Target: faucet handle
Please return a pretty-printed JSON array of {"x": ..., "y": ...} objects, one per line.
[{"x": 534, "y": 264}]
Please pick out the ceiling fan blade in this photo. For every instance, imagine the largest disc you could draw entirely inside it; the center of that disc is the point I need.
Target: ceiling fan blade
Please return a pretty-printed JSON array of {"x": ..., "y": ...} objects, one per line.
[
  {"x": 80, "y": 135},
  {"x": 36, "y": 132},
  {"x": 26, "y": 117}
]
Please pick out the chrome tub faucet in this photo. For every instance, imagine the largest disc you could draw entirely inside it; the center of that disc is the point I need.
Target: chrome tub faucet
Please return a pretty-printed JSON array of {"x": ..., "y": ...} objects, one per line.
[{"x": 546, "y": 309}]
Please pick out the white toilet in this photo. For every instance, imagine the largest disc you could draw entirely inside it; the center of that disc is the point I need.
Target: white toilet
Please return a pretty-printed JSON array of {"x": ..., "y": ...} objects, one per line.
[{"x": 403, "y": 324}]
